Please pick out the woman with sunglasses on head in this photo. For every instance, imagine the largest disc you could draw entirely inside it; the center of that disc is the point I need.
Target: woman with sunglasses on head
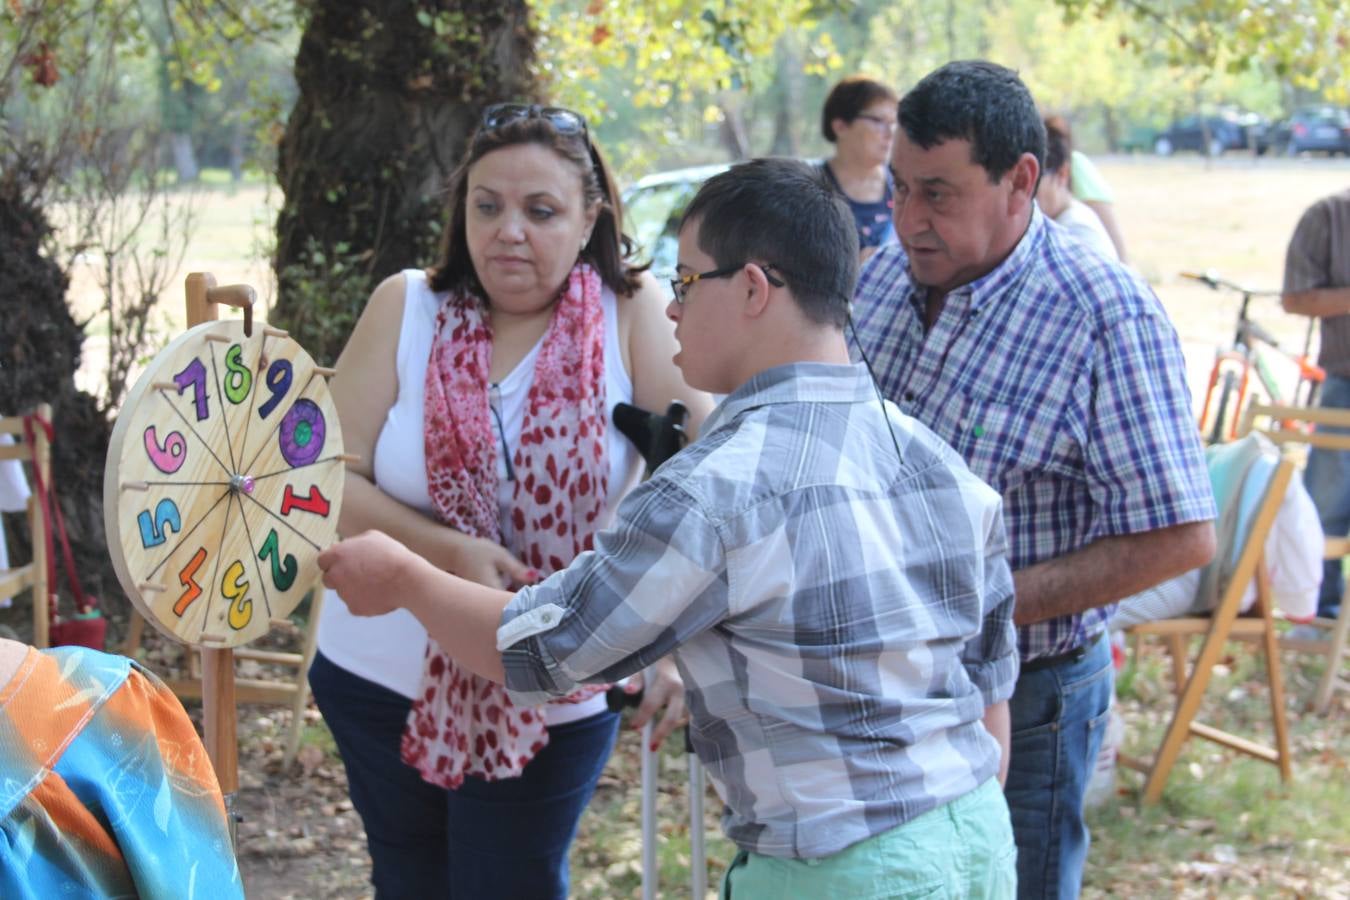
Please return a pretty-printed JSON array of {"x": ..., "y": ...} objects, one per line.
[
  {"x": 483, "y": 428},
  {"x": 859, "y": 118}
]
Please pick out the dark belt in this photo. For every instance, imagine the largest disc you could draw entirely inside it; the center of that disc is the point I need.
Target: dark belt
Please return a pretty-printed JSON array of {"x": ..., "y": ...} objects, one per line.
[{"x": 1071, "y": 656}]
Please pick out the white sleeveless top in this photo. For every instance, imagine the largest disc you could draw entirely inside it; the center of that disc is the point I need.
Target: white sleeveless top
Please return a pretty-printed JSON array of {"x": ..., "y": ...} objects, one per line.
[{"x": 389, "y": 649}]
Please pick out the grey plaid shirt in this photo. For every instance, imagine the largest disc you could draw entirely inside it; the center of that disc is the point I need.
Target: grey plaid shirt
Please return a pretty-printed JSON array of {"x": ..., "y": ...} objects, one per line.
[{"x": 841, "y": 617}]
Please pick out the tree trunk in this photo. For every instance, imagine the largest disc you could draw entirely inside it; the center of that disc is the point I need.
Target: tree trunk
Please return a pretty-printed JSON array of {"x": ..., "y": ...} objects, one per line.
[
  {"x": 389, "y": 92},
  {"x": 39, "y": 354},
  {"x": 788, "y": 99},
  {"x": 184, "y": 157}
]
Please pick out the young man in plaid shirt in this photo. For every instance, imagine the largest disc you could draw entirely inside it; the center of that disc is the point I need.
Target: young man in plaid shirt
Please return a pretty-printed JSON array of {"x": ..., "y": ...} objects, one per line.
[{"x": 829, "y": 575}]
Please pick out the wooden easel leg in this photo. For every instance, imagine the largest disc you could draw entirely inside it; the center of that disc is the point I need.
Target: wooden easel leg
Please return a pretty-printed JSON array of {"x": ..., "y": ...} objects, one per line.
[
  {"x": 135, "y": 631},
  {"x": 218, "y": 724}
]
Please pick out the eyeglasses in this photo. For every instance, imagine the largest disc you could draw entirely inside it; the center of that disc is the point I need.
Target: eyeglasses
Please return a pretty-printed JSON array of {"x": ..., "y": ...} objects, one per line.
[
  {"x": 878, "y": 122},
  {"x": 564, "y": 121},
  {"x": 681, "y": 284}
]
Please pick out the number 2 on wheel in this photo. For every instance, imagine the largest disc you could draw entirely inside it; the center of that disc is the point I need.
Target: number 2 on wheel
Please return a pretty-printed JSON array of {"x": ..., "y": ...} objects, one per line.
[
  {"x": 283, "y": 571},
  {"x": 235, "y": 589}
]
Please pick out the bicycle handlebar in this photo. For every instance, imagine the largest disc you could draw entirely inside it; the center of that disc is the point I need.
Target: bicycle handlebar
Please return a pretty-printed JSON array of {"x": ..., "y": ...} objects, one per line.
[{"x": 1212, "y": 280}]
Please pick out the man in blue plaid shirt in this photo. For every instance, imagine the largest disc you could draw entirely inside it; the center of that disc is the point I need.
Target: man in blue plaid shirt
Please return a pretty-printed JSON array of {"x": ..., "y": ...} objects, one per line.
[
  {"x": 829, "y": 575},
  {"x": 1057, "y": 375}
]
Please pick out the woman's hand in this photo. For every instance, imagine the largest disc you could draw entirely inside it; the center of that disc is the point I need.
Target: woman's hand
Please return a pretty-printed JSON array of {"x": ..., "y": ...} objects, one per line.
[
  {"x": 485, "y": 562},
  {"x": 661, "y": 686}
]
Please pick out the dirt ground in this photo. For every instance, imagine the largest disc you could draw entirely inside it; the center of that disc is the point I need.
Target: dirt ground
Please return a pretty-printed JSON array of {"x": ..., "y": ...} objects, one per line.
[{"x": 298, "y": 836}]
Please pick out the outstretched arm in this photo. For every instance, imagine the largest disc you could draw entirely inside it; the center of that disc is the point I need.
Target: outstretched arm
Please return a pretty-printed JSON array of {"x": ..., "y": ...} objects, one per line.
[{"x": 375, "y": 574}]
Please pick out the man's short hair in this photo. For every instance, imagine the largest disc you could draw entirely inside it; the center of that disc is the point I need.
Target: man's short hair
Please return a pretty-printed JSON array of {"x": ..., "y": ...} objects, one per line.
[
  {"x": 782, "y": 212},
  {"x": 980, "y": 102}
]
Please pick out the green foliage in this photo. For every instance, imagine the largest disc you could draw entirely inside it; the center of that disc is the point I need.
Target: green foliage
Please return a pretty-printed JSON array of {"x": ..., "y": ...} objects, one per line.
[
  {"x": 327, "y": 291},
  {"x": 1301, "y": 41}
]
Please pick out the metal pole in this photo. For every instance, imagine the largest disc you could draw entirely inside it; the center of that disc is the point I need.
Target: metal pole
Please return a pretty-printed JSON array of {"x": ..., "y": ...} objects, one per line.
[{"x": 650, "y": 765}]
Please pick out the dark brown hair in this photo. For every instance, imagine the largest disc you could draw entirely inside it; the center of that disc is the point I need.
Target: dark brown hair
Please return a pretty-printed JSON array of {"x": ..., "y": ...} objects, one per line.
[
  {"x": 608, "y": 248},
  {"x": 850, "y": 97},
  {"x": 1058, "y": 143}
]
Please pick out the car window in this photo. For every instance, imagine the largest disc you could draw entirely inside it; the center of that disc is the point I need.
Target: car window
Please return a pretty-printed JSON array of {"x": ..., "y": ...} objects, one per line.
[{"x": 651, "y": 218}]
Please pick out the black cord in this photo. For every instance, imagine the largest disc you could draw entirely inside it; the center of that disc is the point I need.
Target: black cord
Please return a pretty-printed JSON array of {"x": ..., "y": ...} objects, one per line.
[
  {"x": 501, "y": 430},
  {"x": 875, "y": 385}
]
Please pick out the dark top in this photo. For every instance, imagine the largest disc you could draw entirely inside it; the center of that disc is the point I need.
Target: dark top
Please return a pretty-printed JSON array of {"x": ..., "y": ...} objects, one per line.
[{"x": 873, "y": 219}]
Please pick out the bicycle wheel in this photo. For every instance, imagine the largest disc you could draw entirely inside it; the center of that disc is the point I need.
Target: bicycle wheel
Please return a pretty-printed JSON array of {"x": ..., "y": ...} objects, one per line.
[{"x": 1227, "y": 395}]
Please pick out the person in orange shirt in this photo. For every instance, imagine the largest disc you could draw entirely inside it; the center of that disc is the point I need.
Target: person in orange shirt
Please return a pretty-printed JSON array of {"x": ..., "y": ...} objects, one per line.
[{"x": 105, "y": 788}]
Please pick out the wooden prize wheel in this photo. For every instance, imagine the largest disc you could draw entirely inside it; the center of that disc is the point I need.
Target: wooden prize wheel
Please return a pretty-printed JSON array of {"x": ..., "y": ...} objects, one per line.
[{"x": 223, "y": 483}]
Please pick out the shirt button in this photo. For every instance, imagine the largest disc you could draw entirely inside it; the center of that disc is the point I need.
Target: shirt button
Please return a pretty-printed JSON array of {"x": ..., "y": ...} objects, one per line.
[
  {"x": 909, "y": 396},
  {"x": 547, "y": 617}
]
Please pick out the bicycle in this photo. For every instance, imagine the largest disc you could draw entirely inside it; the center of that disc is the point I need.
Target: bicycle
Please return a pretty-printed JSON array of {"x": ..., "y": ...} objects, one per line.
[{"x": 1233, "y": 367}]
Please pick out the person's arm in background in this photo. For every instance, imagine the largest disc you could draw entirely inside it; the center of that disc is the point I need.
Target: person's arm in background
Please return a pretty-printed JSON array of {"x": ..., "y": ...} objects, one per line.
[
  {"x": 1090, "y": 186},
  {"x": 1307, "y": 269},
  {"x": 364, "y": 389},
  {"x": 998, "y": 722},
  {"x": 650, "y": 347},
  {"x": 1110, "y": 569}
]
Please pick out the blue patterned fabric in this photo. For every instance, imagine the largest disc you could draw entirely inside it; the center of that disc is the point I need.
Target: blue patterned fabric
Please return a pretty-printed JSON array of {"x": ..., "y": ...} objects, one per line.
[
  {"x": 1060, "y": 380},
  {"x": 105, "y": 788}
]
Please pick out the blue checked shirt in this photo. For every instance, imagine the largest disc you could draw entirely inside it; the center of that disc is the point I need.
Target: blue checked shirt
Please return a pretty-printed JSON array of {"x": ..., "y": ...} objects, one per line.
[
  {"x": 1060, "y": 380},
  {"x": 841, "y": 617}
]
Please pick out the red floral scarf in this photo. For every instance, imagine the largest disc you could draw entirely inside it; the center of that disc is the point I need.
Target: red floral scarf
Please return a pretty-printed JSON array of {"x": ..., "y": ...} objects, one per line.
[{"x": 461, "y": 724}]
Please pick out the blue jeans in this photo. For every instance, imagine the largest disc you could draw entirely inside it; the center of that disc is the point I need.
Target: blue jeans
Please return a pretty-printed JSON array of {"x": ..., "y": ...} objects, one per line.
[
  {"x": 504, "y": 838},
  {"x": 1327, "y": 479},
  {"x": 1059, "y": 714}
]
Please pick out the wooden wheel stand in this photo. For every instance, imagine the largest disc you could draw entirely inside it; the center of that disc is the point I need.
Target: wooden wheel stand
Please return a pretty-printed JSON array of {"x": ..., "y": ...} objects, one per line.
[{"x": 223, "y": 484}]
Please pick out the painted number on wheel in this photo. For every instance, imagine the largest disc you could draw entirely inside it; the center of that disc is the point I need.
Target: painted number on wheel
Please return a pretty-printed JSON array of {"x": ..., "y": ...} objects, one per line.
[
  {"x": 238, "y": 379},
  {"x": 278, "y": 381},
  {"x": 302, "y": 433},
  {"x": 194, "y": 376},
  {"x": 169, "y": 456},
  {"x": 166, "y": 520},
  {"x": 235, "y": 589},
  {"x": 188, "y": 579},
  {"x": 283, "y": 570},
  {"x": 315, "y": 503}
]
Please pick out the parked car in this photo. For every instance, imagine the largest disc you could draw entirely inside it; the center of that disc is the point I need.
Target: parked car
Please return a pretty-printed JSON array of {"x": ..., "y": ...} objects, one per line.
[
  {"x": 1215, "y": 134},
  {"x": 1314, "y": 129},
  {"x": 652, "y": 208}
]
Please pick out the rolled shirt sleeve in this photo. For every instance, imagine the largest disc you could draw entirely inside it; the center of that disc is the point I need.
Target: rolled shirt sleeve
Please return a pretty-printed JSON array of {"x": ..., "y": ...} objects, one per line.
[
  {"x": 1144, "y": 464},
  {"x": 654, "y": 579}
]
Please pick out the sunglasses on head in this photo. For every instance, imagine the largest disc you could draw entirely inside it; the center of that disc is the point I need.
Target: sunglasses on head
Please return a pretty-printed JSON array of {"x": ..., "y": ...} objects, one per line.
[{"x": 564, "y": 121}]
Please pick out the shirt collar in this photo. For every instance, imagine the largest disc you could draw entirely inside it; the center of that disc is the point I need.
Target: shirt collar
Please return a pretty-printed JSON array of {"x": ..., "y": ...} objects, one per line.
[{"x": 794, "y": 383}]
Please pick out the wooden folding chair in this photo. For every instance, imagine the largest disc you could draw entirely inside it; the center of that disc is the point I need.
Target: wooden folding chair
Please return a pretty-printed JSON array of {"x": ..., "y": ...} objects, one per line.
[
  {"x": 33, "y": 575},
  {"x": 1222, "y": 625},
  {"x": 1280, "y": 424}
]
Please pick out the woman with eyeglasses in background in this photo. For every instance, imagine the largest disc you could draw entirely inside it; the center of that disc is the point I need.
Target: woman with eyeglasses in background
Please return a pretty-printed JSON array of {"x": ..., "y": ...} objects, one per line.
[
  {"x": 478, "y": 395},
  {"x": 859, "y": 118}
]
